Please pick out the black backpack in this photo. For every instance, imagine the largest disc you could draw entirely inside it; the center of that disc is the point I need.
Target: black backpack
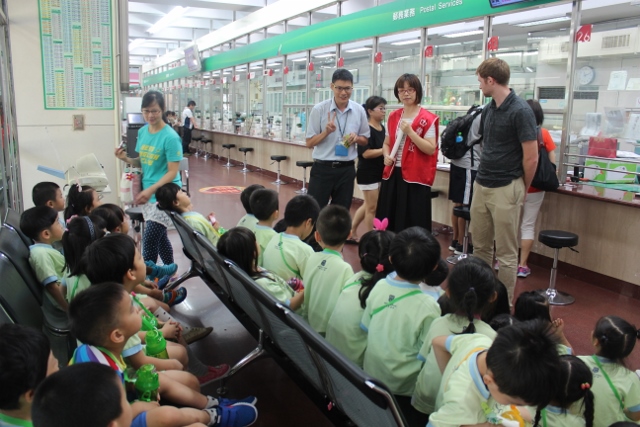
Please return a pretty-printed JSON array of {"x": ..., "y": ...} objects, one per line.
[{"x": 456, "y": 129}]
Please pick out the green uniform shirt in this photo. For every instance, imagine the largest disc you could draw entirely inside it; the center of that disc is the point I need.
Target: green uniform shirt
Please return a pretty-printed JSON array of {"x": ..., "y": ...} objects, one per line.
[
  {"x": 324, "y": 275},
  {"x": 156, "y": 151},
  {"x": 465, "y": 398},
  {"x": 264, "y": 235},
  {"x": 428, "y": 383},
  {"x": 48, "y": 266},
  {"x": 392, "y": 356},
  {"x": 607, "y": 407},
  {"x": 343, "y": 330},
  {"x": 553, "y": 416},
  {"x": 249, "y": 221},
  {"x": 75, "y": 285},
  {"x": 276, "y": 286},
  {"x": 286, "y": 255},
  {"x": 7, "y": 421},
  {"x": 202, "y": 225}
]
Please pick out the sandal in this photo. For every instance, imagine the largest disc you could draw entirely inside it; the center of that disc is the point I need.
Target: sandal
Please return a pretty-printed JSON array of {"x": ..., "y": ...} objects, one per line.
[{"x": 352, "y": 241}]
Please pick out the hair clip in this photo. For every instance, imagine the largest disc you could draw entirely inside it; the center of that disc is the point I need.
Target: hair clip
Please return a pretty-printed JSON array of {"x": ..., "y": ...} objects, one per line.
[
  {"x": 78, "y": 184},
  {"x": 585, "y": 386},
  {"x": 379, "y": 268},
  {"x": 70, "y": 218},
  {"x": 472, "y": 289},
  {"x": 380, "y": 225}
]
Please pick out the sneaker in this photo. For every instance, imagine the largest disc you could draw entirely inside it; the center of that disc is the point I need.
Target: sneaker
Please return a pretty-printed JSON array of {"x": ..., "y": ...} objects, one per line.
[
  {"x": 496, "y": 265},
  {"x": 524, "y": 271},
  {"x": 196, "y": 334},
  {"x": 238, "y": 415},
  {"x": 251, "y": 400},
  {"x": 161, "y": 271},
  {"x": 215, "y": 373},
  {"x": 459, "y": 248},
  {"x": 453, "y": 245},
  {"x": 174, "y": 296}
]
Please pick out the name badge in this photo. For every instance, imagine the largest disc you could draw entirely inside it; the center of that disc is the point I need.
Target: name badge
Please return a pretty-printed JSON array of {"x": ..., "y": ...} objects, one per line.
[{"x": 341, "y": 150}]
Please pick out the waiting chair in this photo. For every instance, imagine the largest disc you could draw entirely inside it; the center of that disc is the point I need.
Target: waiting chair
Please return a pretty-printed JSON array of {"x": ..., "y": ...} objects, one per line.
[
  {"x": 12, "y": 246},
  {"x": 184, "y": 175},
  {"x": 12, "y": 219},
  {"x": 16, "y": 296},
  {"x": 189, "y": 248}
]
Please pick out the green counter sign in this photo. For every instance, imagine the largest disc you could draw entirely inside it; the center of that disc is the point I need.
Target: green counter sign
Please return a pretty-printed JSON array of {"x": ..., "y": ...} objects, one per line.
[{"x": 388, "y": 18}]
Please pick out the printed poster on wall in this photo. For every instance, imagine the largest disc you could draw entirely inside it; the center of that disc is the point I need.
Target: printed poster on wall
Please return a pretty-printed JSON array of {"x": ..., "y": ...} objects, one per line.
[{"x": 77, "y": 54}]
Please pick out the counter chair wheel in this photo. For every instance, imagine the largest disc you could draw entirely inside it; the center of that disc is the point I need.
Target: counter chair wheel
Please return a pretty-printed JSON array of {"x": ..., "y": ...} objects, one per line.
[
  {"x": 557, "y": 239},
  {"x": 278, "y": 158},
  {"x": 462, "y": 212},
  {"x": 207, "y": 154},
  {"x": 304, "y": 165},
  {"x": 245, "y": 150},
  {"x": 137, "y": 222},
  {"x": 228, "y": 147}
]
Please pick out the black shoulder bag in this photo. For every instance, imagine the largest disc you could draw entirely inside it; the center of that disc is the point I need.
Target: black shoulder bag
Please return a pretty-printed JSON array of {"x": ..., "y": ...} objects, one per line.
[{"x": 545, "y": 178}]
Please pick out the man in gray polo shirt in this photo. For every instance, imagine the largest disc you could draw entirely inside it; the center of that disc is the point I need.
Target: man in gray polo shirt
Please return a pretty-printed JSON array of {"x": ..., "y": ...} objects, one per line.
[
  {"x": 334, "y": 128},
  {"x": 508, "y": 163}
]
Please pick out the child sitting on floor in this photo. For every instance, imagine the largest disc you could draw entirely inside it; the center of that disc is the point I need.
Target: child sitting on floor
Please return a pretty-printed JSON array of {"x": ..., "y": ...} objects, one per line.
[
  {"x": 265, "y": 205},
  {"x": 172, "y": 198},
  {"x": 240, "y": 246},
  {"x": 104, "y": 317},
  {"x": 343, "y": 329},
  {"x": 481, "y": 387},
  {"x": 471, "y": 289},
  {"x": 615, "y": 386},
  {"x": 286, "y": 254},
  {"x": 326, "y": 272},
  {"x": 249, "y": 220},
  {"x": 397, "y": 303},
  {"x": 25, "y": 361}
]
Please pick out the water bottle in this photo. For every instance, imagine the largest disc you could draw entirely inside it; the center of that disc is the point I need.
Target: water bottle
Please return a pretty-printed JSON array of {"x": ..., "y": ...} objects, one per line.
[
  {"x": 459, "y": 137},
  {"x": 156, "y": 345},
  {"x": 149, "y": 323},
  {"x": 147, "y": 383}
]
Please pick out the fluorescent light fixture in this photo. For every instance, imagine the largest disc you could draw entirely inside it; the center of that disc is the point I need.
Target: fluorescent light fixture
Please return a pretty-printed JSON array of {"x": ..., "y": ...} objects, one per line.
[
  {"x": 329, "y": 55},
  {"x": 406, "y": 42},
  {"x": 359, "y": 49},
  {"x": 463, "y": 34},
  {"x": 543, "y": 21},
  {"x": 227, "y": 72},
  {"x": 299, "y": 60},
  {"x": 175, "y": 14},
  {"x": 531, "y": 53},
  {"x": 500, "y": 54},
  {"x": 137, "y": 43},
  {"x": 269, "y": 64}
]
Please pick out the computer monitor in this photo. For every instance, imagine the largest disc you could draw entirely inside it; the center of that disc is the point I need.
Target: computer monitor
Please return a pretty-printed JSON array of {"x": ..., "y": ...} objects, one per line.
[
  {"x": 498, "y": 3},
  {"x": 135, "y": 119},
  {"x": 192, "y": 58}
]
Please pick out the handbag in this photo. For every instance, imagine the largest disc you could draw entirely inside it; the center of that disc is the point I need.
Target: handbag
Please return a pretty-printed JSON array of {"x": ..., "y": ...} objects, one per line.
[{"x": 545, "y": 178}]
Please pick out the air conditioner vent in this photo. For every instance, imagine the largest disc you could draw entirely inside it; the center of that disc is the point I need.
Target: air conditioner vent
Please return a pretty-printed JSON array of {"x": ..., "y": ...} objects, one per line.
[
  {"x": 586, "y": 95},
  {"x": 613, "y": 42},
  {"x": 551, "y": 92}
]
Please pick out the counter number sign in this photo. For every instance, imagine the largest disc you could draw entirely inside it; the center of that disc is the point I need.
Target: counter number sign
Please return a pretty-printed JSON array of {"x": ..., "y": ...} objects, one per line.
[{"x": 583, "y": 35}]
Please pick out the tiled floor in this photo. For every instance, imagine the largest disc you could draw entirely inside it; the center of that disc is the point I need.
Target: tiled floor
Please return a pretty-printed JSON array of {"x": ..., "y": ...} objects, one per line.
[{"x": 281, "y": 403}]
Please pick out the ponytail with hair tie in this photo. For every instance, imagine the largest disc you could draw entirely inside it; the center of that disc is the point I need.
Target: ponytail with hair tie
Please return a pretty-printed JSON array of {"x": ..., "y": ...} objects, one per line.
[{"x": 638, "y": 334}]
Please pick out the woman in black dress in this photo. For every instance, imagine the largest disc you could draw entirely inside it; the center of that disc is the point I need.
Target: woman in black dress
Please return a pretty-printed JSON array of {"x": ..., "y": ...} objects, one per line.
[{"x": 370, "y": 166}]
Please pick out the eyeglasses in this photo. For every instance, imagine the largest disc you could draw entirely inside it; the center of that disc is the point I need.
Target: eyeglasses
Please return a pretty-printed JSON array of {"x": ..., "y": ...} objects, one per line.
[
  {"x": 151, "y": 112},
  {"x": 381, "y": 109},
  {"x": 407, "y": 91},
  {"x": 341, "y": 89}
]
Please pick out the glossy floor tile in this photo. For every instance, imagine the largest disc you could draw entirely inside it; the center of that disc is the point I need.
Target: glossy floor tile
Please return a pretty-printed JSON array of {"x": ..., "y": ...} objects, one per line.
[{"x": 280, "y": 401}]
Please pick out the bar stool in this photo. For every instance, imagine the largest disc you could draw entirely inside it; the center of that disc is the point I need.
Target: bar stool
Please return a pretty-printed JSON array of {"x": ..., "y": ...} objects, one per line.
[
  {"x": 278, "y": 158},
  {"x": 137, "y": 222},
  {"x": 304, "y": 165},
  {"x": 198, "y": 139},
  {"x": 245, "y": 150},
  {"x": 207, "y": 154},
  {"x": 557, "y": 239},
  {"x": 228, "y": 147},
  {"x": 462, "y": 212}
]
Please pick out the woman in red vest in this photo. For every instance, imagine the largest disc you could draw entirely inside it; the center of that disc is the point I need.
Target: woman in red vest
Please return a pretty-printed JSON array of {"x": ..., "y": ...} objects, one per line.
[{"x": 410, "y": 152}]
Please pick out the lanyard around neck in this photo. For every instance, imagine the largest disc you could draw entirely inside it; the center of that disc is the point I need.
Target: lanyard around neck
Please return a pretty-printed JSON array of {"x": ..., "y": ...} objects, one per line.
[
  {"x": 346, "y": 118},
  {"x": 606, "y": 377}
]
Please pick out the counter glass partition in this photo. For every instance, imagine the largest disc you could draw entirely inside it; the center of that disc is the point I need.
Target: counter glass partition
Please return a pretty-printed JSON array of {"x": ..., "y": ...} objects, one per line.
[
  {"x": 227, "y": 103},
  {"x": 240, "y": 98},
  {"x": 400, "y": 54},
  {"x": 293, "y": 122},
  {"x": 274, "y": 99},
  {"x": 324, "y": 64},
  {"x": 606, "y": 91},
  {"x": 254, "y": 120},
  {"x": 206, "y": 99},
  {"x": 358, "y": 58}
]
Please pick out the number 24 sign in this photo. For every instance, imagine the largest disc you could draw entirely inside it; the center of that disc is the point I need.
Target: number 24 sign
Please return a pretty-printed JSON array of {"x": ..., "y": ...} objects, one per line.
[{"x": 584, "y": 34}]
